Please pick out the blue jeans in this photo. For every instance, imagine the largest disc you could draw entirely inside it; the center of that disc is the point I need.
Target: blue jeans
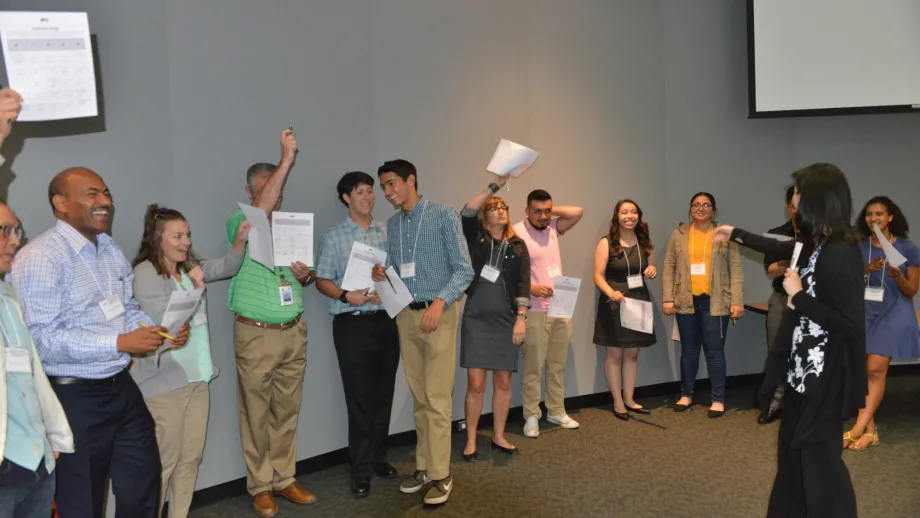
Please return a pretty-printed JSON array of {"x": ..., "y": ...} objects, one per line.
[
  {"x": 701, "y": 328},
  {"x": 25, "y": 493}
]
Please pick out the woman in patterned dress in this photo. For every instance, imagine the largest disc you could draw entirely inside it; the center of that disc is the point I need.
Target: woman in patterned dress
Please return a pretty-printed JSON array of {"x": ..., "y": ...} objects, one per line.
[{"x": 824, "y": 365}]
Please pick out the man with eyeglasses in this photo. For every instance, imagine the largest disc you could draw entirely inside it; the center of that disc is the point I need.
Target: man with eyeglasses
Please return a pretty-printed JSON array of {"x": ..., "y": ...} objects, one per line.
[
  {"x": 33, "y": 427},
  {"x": 547, "y": 338}
]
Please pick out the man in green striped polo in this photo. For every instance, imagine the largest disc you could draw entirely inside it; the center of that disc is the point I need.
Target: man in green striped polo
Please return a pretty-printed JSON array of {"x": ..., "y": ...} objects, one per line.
[{"x": 270, "y": 338}]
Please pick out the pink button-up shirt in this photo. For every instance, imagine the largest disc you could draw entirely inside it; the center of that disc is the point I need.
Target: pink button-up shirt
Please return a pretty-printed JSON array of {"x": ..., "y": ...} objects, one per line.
[{"x": 545, "y": 259}]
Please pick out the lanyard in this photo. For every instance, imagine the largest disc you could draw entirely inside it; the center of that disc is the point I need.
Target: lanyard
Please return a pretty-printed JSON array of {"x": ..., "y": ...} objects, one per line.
[
  {"x": 626, "y": 256},
  {"x": 501, "y": 251},
  {"x": 705, "y": 248},
  {"x": 93, "y": 274},
  {"x": 418, "y": 231}
]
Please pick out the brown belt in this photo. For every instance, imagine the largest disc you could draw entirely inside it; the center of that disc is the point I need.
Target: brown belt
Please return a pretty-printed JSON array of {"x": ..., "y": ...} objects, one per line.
[{"x": 263, "y": 325}]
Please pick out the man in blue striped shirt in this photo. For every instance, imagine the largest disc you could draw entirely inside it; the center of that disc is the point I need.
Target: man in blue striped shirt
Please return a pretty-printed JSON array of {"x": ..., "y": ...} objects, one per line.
[
  {"x": 76, "y": 288},
  {"x": 427, "y": 248}
]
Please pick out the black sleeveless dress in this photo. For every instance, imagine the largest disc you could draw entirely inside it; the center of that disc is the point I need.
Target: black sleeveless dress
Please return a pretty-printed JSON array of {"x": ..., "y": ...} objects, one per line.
[{"x": 607, "y": 328}]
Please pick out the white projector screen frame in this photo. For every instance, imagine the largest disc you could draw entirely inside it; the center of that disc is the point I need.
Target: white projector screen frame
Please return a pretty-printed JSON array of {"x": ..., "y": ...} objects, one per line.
[{"x": 833, "y": 57}]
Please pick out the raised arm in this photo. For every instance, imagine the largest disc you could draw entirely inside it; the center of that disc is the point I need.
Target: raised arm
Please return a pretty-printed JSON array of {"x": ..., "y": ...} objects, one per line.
[
  {"x": 476, "y": 203},
  {"x": 267, "y": 197},
  {"x": 756, "y": 242},
  {"x": 568, "y": 216}
]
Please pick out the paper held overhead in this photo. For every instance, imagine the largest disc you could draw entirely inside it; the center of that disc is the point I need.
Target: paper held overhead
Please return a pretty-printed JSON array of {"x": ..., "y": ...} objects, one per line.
[
  {"x": 891, "y": 253},
  {"x": 511, "y": 159}
]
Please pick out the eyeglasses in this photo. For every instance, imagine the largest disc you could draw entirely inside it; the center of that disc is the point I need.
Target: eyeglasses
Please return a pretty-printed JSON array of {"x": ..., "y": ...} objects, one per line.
[
  {"x": 697, "y": 206},
  {"x": 498, "y": 208},
  {"x": 8, "y": 231}
]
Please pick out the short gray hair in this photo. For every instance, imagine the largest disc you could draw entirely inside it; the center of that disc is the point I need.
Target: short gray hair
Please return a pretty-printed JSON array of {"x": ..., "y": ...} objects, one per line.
[{"x": 257, "y": 169}]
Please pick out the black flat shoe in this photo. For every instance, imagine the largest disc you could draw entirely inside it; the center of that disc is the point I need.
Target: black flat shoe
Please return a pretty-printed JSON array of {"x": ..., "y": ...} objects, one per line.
[
  {"x": 511, "y": 452},
  {"x": 621, "y": 416},
  {"x": 361, "y": 487},
  {"x": 714, "y": 414},
  {"x": 384, "y": 470},
  {"x": 769, "y": 417},
  {"x": 681, "y": 408},
  {"x": 639, "y": 410},
  {"x": 471, "y": 457}
]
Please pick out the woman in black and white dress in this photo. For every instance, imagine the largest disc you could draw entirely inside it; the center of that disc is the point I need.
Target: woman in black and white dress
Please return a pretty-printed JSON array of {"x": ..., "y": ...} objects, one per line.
[{"x": 824, "y": 360}]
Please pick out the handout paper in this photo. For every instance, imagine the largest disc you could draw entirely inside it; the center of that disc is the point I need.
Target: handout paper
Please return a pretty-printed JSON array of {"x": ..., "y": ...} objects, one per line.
[
  {"x": 360, "y": 266},
  {"x": 511, "y": 159},
  {"x": 49, "y": 61},
  {"x": 179, "y": 309},
  {"x": 393, "y": 293},
  {"x": 637, "y": 315},
  {"x": 260, "y": 236},
  {"x": 292, "y": 238},
  {"x": 891, "y": 253},
  {"x": 565, "y": 295},
  {"x": 796, "y": 252}
]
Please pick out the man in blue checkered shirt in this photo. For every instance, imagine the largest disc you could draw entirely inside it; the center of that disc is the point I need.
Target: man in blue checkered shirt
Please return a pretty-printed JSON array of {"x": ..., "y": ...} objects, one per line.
[{"x": 427, "y": 248}]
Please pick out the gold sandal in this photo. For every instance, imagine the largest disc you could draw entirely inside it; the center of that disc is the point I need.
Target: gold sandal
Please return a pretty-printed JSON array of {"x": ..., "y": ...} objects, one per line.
[
  {"x": 849, "y": 439},
  {"x": 873, "y": 442}
]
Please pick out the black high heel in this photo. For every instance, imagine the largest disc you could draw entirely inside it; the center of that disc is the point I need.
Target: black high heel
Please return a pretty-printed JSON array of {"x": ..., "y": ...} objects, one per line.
[
  {"x": 639, "y": 410},
  {"x": 471, "y": 457},
  {"x": 511, "y": 452},
  {"x": 622, "y": 417}
]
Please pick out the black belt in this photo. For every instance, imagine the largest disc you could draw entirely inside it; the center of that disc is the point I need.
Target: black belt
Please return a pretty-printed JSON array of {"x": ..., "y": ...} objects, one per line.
[
  {"x": 88, "y": 382},
  {"x": 420, "y": 305},
  {"x": 361, "y": 313}
]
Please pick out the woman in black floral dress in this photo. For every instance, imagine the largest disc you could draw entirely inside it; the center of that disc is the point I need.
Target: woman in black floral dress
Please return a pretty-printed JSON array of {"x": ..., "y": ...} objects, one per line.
[{"x": 824, "y": 361}]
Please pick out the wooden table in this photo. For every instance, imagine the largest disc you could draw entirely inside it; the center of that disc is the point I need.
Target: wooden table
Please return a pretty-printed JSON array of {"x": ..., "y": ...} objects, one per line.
[{"x": 761, "y": 307}]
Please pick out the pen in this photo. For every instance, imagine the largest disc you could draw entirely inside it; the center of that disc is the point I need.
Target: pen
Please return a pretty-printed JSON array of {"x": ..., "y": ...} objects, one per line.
[{"x": 164, "y": 335}]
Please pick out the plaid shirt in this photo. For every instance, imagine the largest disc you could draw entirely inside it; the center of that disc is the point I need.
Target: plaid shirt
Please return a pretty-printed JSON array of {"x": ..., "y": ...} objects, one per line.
[
  {"x": 431, "y": 237},
  {"x": 61, "y": 278},
  {"x": 334, "y": 251}
]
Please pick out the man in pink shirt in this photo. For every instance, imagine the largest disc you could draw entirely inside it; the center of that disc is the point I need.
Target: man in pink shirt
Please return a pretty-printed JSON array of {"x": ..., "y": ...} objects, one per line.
[{"x": 547, "y": 338}]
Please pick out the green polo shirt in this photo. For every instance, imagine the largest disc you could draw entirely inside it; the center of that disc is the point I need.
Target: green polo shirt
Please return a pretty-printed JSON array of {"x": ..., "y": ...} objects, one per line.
[{"x": 254, "y": 289}]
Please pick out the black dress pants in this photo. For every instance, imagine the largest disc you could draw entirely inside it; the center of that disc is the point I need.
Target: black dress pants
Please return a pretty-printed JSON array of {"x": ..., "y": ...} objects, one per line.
[
  {"x": 114, "y": 437},
  {"x": 367, "y": 346}
]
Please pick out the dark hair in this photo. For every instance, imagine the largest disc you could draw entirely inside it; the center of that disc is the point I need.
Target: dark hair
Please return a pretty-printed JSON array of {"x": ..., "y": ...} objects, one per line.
[
  {"x": 790, "y": 192},
  {"x": 898, "y": 226},
  {"x": 538, "y": 195},
  {"x": 642, "y": 234},
  {"x": 401, "y": 168},
  {"x": 825, "y": 206},
  {"x": 351, "y": 181},
  {"x": 712, "y": 201},
  {"x": 257, "y": 169},
  {"x": 154, "y": 221}
]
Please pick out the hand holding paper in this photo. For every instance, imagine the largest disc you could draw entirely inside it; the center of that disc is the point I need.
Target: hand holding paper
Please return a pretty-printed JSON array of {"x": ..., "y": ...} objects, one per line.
[
  {"x": 360, "y": 267},
  {"x": 393, "y": 293},
  {"x": 565, "y": 295},
  {"x": 894, "y": 257},
  {"x": 260, "y": 236},
  {"x": 511, "y": 159}
]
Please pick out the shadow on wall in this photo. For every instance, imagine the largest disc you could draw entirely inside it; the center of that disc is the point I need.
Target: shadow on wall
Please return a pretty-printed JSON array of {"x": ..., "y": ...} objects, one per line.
[{"x": 63, "y": 128}]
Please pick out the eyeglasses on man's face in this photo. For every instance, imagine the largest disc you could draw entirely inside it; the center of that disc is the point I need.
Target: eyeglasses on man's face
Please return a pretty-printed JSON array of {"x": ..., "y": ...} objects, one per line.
[
  {"x": 700, "y": 206},
  {"x": 8, "y": 231}
]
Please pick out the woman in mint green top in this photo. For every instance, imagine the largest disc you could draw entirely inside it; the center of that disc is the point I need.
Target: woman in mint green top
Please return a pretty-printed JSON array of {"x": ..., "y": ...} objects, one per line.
[{"x": 175, "y": 385}]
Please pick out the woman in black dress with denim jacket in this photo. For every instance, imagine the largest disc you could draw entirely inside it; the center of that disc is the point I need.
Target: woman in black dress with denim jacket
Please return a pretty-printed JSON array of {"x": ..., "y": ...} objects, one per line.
[
  {"x": 494, "y": 317},
  {"x": 823, "y": 362}
]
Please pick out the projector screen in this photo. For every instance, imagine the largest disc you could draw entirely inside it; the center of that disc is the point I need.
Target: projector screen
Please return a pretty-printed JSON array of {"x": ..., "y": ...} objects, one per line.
[{"x": 825, "y": 57}]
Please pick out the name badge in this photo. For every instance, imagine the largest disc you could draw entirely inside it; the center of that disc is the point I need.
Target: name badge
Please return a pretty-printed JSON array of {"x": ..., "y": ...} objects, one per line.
[
  {"x": 17, "y": 360},
  {"x": 698, "y": 269},
  {"x": 112, "y": 307},
  {"x": 201, "y": 318},
  {"x": 554, "y": 271},
  {"x": 875, "y": 294},
  {"x": 490, "y": 274},
  {"x": 286, "y": 292},
  {"x": 407, "y": 270},
  {"x": 634, "y": 281}
]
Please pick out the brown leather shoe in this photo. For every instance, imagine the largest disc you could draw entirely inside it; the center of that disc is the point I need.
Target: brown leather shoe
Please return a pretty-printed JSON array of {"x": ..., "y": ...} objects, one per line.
[
  {"x": 297, "y": 494},
  {"x": 264, "y": 504}
]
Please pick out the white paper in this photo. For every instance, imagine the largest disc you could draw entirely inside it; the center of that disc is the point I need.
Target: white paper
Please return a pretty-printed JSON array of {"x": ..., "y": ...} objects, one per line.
[
  {"x": 360, "y": 266},
  {"x": 394, "y": 295},
  {"x": 565, "y": 295},
  {"x": 511, "y": 159},
  {"x": 796, "y": 252},
  {"x": 260, "y": 236},
  {"x": 181, "y": 307},
  {"x": 675, "y": 331},
  {"x": 292, "y": 238},
  {"x": 891, "y": 253},
  {"x": 49, "y": 61},
  {"x": 778, "y": 237},
  {"x": 637, "y": 315}
]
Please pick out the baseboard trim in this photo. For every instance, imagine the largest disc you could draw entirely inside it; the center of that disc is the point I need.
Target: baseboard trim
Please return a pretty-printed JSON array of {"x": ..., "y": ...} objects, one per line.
[{"x": 327, "y": 460}]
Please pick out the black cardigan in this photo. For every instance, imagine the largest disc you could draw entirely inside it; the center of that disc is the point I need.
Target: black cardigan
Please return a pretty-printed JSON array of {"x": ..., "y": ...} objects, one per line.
[
  {"x": 515, "y": 267},
  {"x": 838, "y": 307}
]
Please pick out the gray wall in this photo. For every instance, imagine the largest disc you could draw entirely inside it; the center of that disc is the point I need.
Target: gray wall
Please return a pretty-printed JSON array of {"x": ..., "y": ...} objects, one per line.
[{"x": 623, "y": 98}]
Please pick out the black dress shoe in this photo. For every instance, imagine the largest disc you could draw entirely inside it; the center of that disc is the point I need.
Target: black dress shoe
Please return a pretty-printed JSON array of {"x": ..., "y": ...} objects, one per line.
[
  {"x": 713, "y": 414},
  {"x": 621, "y": 416},
  {"x": 384, "y": 470},
  {"x": 772, "y": 415},
  {"x": 361, "y": 487},
  {"x": 471, "y": 457},
  {"x": 681, "y": 408},
  {"x": 511, "y": 452},
  {"x": 639, "y": 410}
]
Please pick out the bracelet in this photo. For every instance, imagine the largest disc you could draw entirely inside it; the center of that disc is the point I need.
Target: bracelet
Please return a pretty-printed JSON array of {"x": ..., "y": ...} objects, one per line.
[{"x": 494, "y": 187}]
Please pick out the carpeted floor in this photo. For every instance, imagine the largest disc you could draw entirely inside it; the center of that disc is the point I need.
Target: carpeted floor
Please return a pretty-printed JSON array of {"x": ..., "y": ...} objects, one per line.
[{"x": 670, "y": 465}]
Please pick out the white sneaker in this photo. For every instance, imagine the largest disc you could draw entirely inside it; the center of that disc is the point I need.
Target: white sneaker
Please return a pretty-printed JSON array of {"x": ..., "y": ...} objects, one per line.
[
  {"x": 532, "y": 427},
  {"x": 562, "y": 420}
]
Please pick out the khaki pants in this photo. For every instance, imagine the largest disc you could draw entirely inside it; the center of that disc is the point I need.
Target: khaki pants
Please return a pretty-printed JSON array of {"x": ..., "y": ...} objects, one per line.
[
  {"x": 181, "y": 418},
  {"x": 545, "y": 344},
  {"x": 270, "y": 365},
  {"x": 430, "y": 364}
]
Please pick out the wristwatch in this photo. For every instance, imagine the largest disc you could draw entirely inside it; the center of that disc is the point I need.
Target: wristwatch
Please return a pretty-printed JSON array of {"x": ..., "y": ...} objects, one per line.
[
  {"x": 344, "y": 297},
  {"x": 494, "y": 187},
  {"x": 522, "y": 315}
]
